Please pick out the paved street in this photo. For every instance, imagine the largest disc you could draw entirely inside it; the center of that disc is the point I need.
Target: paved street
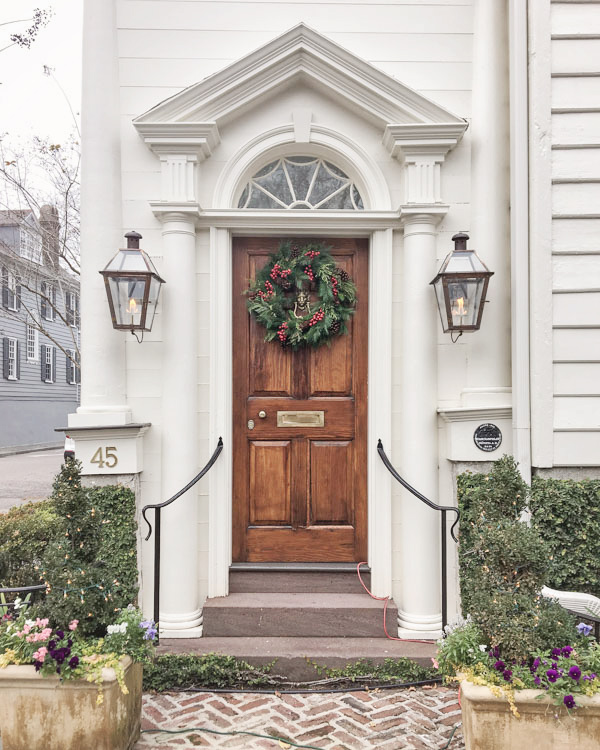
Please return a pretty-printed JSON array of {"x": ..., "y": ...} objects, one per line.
[
  {"x": 28, "y": 476},
  {"x": 413, "y": 719}
]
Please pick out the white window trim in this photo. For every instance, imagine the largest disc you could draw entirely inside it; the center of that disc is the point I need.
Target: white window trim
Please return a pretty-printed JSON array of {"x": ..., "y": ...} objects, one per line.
[
  {"x": 11, "y": 285},
  {"x": 73, "y": 308},
  {"x": 72, "y": 367},
  {"x": 30, "y": 246},
  {"x": 48, "y": 364},
  {"x": 13, "y": 348},
  {"x": 50, "y": 302},
  {"x": 36, "y": 344}
]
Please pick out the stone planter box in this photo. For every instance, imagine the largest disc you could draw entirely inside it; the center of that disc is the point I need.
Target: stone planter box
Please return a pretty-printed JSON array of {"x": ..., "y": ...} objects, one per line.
[
  {"x": 488, "y": 723},
  {"x": 42, "y": 713}
]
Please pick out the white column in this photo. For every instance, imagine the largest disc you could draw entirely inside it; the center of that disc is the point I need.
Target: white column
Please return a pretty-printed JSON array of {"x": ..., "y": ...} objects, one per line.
[
  {"x": 179, "y": 597},
  {"x": 489, "y": 374},
  {"x": 103, "y": 381},
  {"x": 420, "y": 606}
]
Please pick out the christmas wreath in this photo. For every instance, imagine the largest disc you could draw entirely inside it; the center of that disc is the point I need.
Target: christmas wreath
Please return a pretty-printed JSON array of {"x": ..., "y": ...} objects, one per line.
[{"x": 301, "y": 297}]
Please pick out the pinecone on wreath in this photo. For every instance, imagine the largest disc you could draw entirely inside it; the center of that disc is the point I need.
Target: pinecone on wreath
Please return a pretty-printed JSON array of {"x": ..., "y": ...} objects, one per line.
[
  {"x": 335, "y": 328},
  {"x": 286, "y": 284},
  {"x": 344, "y": 275},
  {"x": 305, "y": 327},
  {"x": 295, "y": 251}
]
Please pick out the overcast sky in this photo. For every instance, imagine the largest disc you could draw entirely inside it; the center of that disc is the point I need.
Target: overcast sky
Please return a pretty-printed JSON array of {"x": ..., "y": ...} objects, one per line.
[{"x": 32, "y": 103}]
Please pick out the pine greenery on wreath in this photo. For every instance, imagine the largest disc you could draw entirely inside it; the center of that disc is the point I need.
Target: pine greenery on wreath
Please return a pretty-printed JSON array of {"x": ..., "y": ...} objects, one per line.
[{"x": 282, "y": 297}]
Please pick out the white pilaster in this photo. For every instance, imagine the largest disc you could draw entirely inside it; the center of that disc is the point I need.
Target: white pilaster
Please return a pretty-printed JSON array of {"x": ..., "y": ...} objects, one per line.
[
  {"x": 219, "y": 509},
  {"x": 489, "y": 375},
  {"x": 179, "y": 602},
  {"x": 419, "y": 608},
  {"x": 380, "y": 398},
  {"x": 103, "y": 381}
]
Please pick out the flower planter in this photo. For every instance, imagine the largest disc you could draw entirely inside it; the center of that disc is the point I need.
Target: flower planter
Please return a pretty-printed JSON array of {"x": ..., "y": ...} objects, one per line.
[
  {"x": 488, "y": 723},
  {"x": 42, "y": 713}
]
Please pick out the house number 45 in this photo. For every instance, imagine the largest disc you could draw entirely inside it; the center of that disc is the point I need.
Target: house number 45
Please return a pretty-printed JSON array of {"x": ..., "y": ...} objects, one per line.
[{"x": 105, "y": 457}]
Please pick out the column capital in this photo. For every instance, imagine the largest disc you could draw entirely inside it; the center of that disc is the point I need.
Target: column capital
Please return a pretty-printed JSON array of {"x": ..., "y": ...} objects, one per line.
[
  {"x": 168, "y": 211},
  {"x": 411, "y": 214}
]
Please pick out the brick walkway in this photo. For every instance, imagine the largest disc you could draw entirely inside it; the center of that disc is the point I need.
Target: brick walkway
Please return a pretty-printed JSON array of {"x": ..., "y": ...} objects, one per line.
[{"x": 389, "y": 719}]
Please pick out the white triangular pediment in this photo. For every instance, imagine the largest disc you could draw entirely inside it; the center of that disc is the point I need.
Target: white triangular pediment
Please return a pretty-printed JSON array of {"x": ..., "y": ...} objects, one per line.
[{"x": 301, "y": 55}]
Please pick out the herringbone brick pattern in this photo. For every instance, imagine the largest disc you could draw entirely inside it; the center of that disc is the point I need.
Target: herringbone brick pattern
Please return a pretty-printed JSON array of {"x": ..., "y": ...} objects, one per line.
[{"x": 411, "y": 719}]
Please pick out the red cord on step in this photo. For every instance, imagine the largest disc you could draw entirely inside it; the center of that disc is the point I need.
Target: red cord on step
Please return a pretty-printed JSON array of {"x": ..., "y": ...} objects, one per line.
[{"x": 385, "y": 599}]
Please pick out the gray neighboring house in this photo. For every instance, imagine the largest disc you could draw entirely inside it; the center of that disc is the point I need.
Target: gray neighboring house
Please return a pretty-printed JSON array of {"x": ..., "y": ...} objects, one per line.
[{"x": 39, "y": 332}]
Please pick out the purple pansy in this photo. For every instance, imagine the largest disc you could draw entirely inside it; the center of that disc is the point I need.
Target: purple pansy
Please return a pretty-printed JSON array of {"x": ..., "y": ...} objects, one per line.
[
  {"x": 552, "y": 675},
  {"x": 567, "y": 651},
  {"x": 584, "y": 629},
  {"x": 574, "y": 672},
  {"x": 500, "y": 665},
  {"x": 569, "y": 701},
  {"x": 507, "y": 674},
  {"x": 556, "y": 652}
]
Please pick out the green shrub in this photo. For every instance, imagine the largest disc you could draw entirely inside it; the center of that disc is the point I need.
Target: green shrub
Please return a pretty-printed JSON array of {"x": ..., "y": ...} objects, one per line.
[
  {"x": 184, "y": 671},
  {"x": 504, "y": 564},
  {"x": 24, "y": 534},
  {"x": 566, "y": 514}
]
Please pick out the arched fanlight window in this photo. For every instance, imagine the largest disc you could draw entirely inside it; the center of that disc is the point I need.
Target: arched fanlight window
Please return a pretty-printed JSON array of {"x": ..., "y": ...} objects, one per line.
[{"x": 301, "y": 182}]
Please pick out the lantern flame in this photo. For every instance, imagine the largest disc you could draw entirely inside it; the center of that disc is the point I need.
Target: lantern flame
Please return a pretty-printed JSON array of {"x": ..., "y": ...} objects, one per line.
[
  {"x": 459, "y": 308},
  {"x": 133, "y": 308}
]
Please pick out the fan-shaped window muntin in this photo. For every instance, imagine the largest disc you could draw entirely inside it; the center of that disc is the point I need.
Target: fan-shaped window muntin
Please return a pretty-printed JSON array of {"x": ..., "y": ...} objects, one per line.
[{"x": 301, "y": 182}]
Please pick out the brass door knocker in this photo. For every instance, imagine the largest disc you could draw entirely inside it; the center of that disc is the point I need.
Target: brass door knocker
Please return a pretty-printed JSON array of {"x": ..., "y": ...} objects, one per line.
[{"x": 302, "y": 304}]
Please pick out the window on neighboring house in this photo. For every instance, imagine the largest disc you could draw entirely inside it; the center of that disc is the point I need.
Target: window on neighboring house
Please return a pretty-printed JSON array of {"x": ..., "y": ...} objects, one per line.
[
  {"x": 301, "y": 182},
  {"x": 48, "y": 360},
  {"x": 32, "y": 344},
  {"x": 48, "y": 301},
  {"x": 11, "y": 359},
  {"x": 72, "y": 308},
  {"x": 11, "y": 291},
  {"x": 30, "y": 246},
  {"x": 73, "y": 371}
]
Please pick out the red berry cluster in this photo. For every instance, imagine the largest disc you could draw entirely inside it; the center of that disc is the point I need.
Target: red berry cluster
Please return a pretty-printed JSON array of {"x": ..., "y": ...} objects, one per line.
[
  {"x": 334, "y": 284},
  {"x": 317, "y": 317},
  {"x": 282, "y": 332},
  {"x": 269, "y": 293},
  {"x": 309, "y": 272},
  {"x": 278, "y": 271},
  {"x": 312, "y": 254}
]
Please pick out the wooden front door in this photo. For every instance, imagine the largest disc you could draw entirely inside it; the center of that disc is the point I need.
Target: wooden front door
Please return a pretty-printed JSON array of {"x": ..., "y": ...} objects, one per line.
[{"x": 299, "y": 493}]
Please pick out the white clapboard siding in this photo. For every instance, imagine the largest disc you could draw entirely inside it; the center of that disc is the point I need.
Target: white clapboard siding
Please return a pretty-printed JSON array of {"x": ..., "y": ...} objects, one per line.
[
  {"x": 576, "y": 309},
  {"x": 576, "y": 163},
  {"x": 575, "y": 18},
  {"x": 577, "y": 412},
  {"x": 576, "y": 55},
  {"x": 576, "y": 235},
  {"x": 576, "y": 345},
  {"x": 576, "y": 128},
  {"x": 576, "y": 448},
  {"x": 576, "y": 93},
  {"x": 577, "y": 378},
  {"x": 572, "y": 272},
  {"x": 324, "y": 17},
  {"x": 576, "y": 199}
]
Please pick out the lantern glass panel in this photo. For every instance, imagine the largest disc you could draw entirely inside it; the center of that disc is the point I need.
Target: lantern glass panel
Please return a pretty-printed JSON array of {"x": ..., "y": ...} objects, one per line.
[
  {"x": 128, "y": 297},
  {"x": 152, "y": 301},
  {"x": 464, "y": 300},
  {"x": 128, "y": 260}
]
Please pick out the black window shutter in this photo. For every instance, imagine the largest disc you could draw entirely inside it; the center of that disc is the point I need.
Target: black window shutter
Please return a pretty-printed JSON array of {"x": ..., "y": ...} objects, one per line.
[
  {"x": 69, "y": 365},
  {"x": 77, "y": 368},
  {"x": 18, "y": 358},
  {"x": 5, "y": 358},
  {"x": 4, "y": 288},
  {"x": 43, "y": 303},
  {"x": 43, "y": 360},
  {"x": 54, "y": 364},
  {"x": 18, "y": 295}
]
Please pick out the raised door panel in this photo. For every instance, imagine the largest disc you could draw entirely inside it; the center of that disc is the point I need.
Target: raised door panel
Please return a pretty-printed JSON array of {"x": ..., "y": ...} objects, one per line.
[
  {"x": 331, "y": 487},
  {"x": 270, "y": 488}
]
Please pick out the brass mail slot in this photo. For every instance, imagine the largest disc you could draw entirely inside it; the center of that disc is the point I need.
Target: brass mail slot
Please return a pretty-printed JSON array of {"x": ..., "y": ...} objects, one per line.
[{"x": 300, "y": 419}]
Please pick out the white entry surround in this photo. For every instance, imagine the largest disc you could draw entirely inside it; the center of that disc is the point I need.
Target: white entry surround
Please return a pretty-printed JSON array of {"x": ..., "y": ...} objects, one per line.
[{"x": 190, "y": 131}]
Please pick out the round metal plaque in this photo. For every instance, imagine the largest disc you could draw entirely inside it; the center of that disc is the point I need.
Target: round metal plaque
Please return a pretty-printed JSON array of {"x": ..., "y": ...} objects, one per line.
[{"x": 487, "y": 437}]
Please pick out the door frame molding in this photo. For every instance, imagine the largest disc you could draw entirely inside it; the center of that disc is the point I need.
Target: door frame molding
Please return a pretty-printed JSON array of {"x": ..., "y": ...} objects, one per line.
[{"x": 379, "y": 395}]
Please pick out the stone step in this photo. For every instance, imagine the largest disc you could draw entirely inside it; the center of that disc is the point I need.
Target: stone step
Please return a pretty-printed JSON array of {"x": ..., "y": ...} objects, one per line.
[
  {"x": 295, "y": 657},
  {"x": 297, "y": 614},
  {"x": 297, "y": 578}
]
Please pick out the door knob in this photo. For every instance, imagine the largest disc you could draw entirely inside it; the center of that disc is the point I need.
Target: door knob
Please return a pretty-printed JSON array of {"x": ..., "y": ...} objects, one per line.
[{"x": 262, "y": 414}]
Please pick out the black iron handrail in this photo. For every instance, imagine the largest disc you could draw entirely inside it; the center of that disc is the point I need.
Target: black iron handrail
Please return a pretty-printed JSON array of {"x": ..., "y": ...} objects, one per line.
[
  {"x": 157, "y": 507},
  {"x": 443, "y": 510}
]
